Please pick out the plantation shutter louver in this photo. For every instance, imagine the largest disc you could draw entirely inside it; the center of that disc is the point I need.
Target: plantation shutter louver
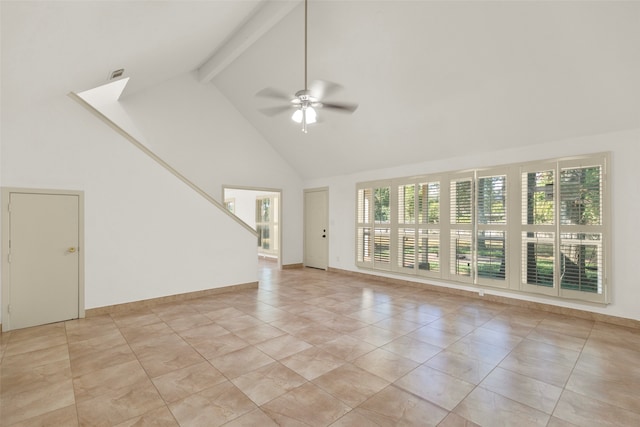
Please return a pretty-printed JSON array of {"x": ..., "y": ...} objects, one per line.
[
  {"x": 461, "y": 228},
  {"x": 429, "y": 228},
  {"x": 537, "y": 227},
  {"x": 491, "y": 238},
  {"x": 382, "y": 227},
  {"x": 581, "y": 229},
  {"x": 406, "y": 242},
  {"x": 364, "y": 243}
]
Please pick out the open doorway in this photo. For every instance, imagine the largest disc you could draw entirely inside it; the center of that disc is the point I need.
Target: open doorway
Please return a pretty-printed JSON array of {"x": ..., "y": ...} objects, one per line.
[{"x": 261, "y": 208}]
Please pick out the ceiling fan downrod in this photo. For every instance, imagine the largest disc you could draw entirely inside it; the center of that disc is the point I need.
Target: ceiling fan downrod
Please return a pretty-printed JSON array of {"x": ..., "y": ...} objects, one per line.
[{"x": 306, "y": 101}]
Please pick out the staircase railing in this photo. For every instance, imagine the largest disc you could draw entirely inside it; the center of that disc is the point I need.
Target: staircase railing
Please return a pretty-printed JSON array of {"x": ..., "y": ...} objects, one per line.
[{"x": 158, "y": 160}]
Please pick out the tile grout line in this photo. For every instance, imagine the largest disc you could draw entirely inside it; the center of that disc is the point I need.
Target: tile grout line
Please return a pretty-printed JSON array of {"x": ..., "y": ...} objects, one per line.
[
  {"x": 147, "y": 375},
  {"x": 73, "y": 385}
]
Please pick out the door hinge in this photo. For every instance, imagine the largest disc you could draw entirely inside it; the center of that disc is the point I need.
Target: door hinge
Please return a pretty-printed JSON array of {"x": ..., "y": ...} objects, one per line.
[
  {"x": 9, "y": 258},
  {"x": 9, "y": 309}
]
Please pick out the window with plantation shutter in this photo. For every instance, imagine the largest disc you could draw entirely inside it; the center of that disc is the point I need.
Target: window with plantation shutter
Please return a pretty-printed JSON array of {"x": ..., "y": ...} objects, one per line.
[
  {"x": 429, "y": 203},
  {"x": 491, "y": 226},
  {"x": 538, "y": 256},
  {"x": 461, "y": 253},
  {"x": 429, "y": 251},
  {"x": 382, "y": 227},
  {"x": 418, "y": 228},
  {"x": 581, "y": 230},
  {"x": 406, "y": 242},
  {"x": 538, "y": 227},
  {"x": 492, "y": 200},
  {"x": 429, "y": 228},
  {"x": 563, "y": 230},
  {"x": 580, "y": 196},
  {"x": 461, "y": 198},
  {"x": 580, "y": 264},
  {"x": 461, "y": 228},
  {"x": 364, "y": 243},
  {"x": 406, "y": 204},
  {"x": 407, "y": 248}
]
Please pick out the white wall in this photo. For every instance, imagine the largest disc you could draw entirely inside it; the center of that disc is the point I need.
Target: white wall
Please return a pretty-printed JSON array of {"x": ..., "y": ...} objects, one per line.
[
  {"x": 195, "y": 129},
  {"x": 625, "y": 149},
  {"x": 146, "y": 233}
]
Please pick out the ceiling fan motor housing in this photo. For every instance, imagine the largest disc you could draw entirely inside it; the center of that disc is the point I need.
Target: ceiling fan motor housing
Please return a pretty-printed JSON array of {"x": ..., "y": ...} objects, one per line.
[{"x": 305, "y": 98}]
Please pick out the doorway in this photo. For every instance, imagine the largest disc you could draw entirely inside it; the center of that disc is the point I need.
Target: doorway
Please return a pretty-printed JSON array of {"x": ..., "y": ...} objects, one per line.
[
  {"x": 42, "y": 256},
  {"x": 316, "y": 228},
  {"x": 260, "y": 208}
]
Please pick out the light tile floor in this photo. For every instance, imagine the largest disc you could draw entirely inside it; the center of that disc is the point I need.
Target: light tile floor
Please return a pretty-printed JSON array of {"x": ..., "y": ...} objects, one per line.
[{"x": 316, "y": 348}]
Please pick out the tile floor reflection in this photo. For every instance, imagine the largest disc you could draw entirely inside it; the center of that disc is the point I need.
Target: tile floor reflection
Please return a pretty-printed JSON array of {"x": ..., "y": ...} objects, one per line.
[{"x": 313, "y": 348}]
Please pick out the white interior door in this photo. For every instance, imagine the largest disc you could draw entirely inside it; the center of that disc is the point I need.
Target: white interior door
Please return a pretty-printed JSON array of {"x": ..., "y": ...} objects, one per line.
[
  {"x": 43, "y": 259},
  {"x": 316, "y": 236}
]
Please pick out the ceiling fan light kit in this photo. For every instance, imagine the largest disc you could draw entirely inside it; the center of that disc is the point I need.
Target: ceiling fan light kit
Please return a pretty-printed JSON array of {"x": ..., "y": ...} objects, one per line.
[{"x": 308, "y": 100}]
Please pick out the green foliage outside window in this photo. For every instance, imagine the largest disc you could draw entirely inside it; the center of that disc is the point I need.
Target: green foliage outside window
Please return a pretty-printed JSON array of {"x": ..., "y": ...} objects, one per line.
[{"x": 381, "y": 205}]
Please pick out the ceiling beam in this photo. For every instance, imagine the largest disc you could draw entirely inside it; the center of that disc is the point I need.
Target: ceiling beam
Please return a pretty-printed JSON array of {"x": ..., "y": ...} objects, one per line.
[{"x": 265, "y": 18}]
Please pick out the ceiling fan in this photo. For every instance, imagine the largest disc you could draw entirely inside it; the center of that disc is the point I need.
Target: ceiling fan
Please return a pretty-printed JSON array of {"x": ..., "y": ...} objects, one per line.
[{"x": 305, "y": 102}]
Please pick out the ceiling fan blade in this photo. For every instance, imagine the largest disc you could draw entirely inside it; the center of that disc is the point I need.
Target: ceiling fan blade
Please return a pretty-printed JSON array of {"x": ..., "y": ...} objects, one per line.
[
  {"x": 341, "y": 107},
  {"x": 321, "y": 88},
  {"x": 270, "y": 92},
  {"x": 272, "y": 111}
]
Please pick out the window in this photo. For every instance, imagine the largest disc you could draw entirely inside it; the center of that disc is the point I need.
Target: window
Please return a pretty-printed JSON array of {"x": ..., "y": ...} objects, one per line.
[
  {"x": 267, "y": 224},
  {"x": 428, "y": 227},
  {"x": 374, "y": 227},
  {"x": 581, "y": 229},
  {"x": 382, "y": 227},
  {"x": 563, "y": 229},
  {"x": 418, "y": 236},
  {"x": 364, "y": 242},
  {"x": 491, "y": 228},
  {"x": 537, "y": 227},
  {"x": 461, "y": 228},
  {"x": 407, "y": 227}
]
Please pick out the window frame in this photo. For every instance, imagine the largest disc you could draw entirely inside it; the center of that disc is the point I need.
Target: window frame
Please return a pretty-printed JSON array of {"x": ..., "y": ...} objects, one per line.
[
  {"x": 454, "y": 260},
  {"x": 494, "y": 227},
  {"x": 542, "y": 229},
  {"x": 602, "y": 229},
  {"x": 515, "y": 228}
]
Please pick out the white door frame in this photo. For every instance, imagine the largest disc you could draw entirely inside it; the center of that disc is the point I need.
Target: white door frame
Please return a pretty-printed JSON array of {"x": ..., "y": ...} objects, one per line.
[
  {"x": 304, "y": 240},
  {"x": 6, "y": 285}
]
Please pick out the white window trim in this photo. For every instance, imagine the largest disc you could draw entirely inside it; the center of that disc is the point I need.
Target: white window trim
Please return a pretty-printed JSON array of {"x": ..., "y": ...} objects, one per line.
[{"x": 514, "y": 228}]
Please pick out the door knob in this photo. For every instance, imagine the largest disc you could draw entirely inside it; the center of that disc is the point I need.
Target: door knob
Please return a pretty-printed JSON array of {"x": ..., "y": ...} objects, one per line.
[{"x": 71, "y": 250}]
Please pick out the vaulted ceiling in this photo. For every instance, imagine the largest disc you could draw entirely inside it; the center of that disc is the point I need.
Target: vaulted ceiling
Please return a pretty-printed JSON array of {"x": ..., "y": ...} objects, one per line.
[{"x": 433, "y": 79}]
